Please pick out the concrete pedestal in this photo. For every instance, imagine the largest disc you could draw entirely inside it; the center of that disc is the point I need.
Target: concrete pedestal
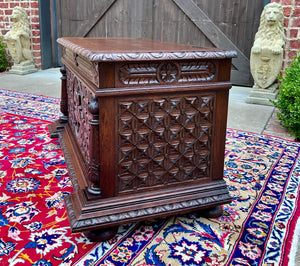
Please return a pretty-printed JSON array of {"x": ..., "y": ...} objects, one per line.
[
  {"x": 263, "y": 96},
  {"x": 22, "y": 69}
]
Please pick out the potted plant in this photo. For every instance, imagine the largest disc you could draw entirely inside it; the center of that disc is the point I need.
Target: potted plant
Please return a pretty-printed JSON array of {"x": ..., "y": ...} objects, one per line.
[
  {"x": 288, "y": 101},
  {"x": 3, "y": 58}
]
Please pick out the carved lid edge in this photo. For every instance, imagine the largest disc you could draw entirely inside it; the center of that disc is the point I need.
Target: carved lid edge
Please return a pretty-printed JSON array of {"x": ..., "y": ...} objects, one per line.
[{"x": 115, "y": 57}]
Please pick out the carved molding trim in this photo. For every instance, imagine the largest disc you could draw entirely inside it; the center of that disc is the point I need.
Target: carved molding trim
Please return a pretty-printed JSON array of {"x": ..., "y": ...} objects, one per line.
[
  {"x": 166, "y": 72},
  {"x": 119, "y": 218},
  {"x": 98, "y": 56}
]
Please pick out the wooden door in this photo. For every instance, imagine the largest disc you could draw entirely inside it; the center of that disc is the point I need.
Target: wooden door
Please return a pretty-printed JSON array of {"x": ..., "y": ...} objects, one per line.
[{"x": 209, "y": 23}]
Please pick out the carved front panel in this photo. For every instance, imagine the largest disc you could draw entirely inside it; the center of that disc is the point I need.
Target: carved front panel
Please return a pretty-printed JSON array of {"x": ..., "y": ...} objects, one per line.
[
  {"x": 166, "y": 72},
  {"x": 79, "y": 99},
  {"x": 164, "y": 140}
]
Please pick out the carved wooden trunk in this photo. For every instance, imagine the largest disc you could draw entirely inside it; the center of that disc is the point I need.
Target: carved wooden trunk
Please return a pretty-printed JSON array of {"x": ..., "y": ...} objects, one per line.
[{"x": 143, "y": 130}]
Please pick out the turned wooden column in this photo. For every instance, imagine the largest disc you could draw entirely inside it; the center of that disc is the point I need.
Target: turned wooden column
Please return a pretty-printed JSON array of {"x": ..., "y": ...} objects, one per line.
[
  {"x": 93, "y": 164},
  {"x": 64, "y": 96},
  {"x": 59, "y": 124}
]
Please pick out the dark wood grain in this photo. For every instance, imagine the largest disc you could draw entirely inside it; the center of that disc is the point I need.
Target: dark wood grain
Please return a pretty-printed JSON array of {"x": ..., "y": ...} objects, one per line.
[
  {"x": 130, "y": 49},
  {"x": 145, "y": 138}
]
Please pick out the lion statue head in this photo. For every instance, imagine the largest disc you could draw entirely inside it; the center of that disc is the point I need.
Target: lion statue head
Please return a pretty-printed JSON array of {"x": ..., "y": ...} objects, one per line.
[
  {"x": 19, "y": 18},
  {"x": 270, "y": 33},
  {"x": 271, "y": 21}
]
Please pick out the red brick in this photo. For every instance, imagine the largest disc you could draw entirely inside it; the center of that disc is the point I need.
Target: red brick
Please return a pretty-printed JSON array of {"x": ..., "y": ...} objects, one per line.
[
  {"x": 287, "y": 11},
  {"x": 296, "y": 12},
  {"x": 35, "y": 33},
  {"x": 38, "y": 65},
  {"x": 276, "y": 129},
  {"x": 12, "y": 5},
  {"x": 35, "y": 19},
  {"x": 295, "y": 44},
  {"x": 8, "y": 12},
  {"x": 297, "y": 2},
  {"x": 3, "y": 5},
  {"x": 36, "y": 46},
  {"x": 296, "y": 22},
  {"x": 38, "y": 59},
  {"x": 276, "y": 1},
  {"x": 35, "y": 12},
  {"x": 35, "y": 26},
  {"x": 286, "y": 22},
  {"x": 36, "y": 54},
  {"x": 286, "y": 2},
  {"x": 25, "y": 5},
  {"x": 292, "y": 54},
  {"x": 293, "y": 33},
  {"x": 34, "y": 4}
]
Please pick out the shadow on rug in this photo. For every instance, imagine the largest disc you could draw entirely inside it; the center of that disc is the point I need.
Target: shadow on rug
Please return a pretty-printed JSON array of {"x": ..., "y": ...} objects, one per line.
[{"x": 257, "y": 228}]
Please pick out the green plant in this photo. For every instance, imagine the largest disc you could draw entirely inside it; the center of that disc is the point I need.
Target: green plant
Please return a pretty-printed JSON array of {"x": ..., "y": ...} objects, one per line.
[
  {"x": 288, "y": 101},
  {"x": 3, "y": 58}
]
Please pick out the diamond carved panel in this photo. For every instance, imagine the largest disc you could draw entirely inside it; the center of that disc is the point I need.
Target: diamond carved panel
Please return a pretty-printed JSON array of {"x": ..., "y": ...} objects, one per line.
[
  {"x": 164, "y": 140},
  {"x": 79, "y": 99}
]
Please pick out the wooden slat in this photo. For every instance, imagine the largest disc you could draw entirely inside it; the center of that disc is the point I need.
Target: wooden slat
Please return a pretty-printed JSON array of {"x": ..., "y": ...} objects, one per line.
[
  {"x": 222, "y": 23},
  {"x": 86, "y": 26},
  {"x": 212, "y": 32}
]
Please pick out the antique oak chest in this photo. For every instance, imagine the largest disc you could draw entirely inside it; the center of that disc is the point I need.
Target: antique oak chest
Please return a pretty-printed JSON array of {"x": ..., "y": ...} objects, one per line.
[{"x": 143, "y": 130}]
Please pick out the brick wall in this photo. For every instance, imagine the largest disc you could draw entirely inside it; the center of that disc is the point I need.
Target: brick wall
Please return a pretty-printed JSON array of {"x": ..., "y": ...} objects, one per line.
[
  {"x": 291, "y": 10},
  {"x": 32, "y": 9}
]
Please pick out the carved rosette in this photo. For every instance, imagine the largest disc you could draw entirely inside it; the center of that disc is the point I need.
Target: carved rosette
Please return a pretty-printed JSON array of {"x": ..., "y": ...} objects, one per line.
[
  {"x": 167, "y": 72},
  {"x": 79, "y": 99},
  {"x": 165, "y": 140}
]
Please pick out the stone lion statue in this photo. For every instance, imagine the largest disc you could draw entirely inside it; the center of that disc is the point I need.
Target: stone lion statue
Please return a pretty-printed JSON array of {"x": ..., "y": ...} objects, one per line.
[
  {"x": 18, "y": 38},
  {"x": 267, "y": 51},
  {"x": 270, "y": 33}
]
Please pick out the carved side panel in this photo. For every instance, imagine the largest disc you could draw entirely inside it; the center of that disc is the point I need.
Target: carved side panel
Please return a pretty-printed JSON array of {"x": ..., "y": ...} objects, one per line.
[
  {"x": 89, "y": 69},
  {"x": 166, "y": 72},
  {"x": 164, "y": 140},
  {"x": 79, "y": 99}
]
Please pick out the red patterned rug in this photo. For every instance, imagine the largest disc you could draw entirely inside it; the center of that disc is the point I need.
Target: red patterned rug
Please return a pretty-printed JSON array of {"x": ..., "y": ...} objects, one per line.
[{"x": 257, "y": 228}]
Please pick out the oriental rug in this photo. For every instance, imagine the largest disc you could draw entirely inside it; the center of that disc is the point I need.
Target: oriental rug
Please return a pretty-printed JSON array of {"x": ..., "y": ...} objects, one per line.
[{"x": 257, "y": 228}]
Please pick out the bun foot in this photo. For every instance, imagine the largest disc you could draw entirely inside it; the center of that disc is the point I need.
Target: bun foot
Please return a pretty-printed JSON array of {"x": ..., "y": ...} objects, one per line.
[
  {"x": 101, "y": 235},
  {"x": 213, "y": 212}
]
